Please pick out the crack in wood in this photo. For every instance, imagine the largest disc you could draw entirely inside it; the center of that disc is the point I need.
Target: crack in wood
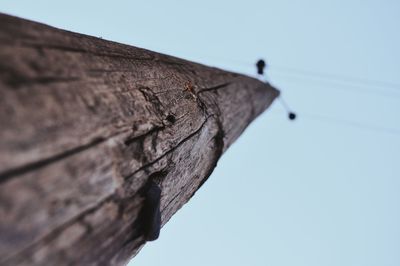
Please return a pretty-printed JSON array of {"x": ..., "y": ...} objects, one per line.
[
  {"x": 30, "y": 167},
  {"x": 217, "y": 87},
  {"x": 140, "y": 137},
  {"x": 169, "y": 151}
]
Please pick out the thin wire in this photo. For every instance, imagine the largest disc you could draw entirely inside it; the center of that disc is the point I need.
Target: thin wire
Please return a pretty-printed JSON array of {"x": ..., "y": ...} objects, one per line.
[
  {"x": 344, "y": 122},
  {"x": 339, "y": 78},
  {"x": 351, "y": 123},
  {"x": 284, "y": 104},
  {"x": 342, "y": 87},
  {"x": 340, "y": 121}
]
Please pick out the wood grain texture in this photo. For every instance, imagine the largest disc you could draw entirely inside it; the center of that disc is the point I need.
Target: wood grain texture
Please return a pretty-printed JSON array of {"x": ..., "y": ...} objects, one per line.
[{"x": 85, "y": 123}]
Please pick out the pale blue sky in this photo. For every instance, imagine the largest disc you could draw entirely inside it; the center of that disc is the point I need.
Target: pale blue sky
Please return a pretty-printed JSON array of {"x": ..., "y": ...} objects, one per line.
[{"x": 323, "y": 190}]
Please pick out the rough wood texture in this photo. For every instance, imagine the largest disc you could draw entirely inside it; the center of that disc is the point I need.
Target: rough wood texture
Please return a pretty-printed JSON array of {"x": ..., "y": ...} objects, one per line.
[{"x": 85, "y": 123}]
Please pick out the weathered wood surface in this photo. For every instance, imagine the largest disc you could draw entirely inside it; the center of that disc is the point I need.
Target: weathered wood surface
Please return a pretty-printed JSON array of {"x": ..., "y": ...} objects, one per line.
[{"x": 84, "y": 123}]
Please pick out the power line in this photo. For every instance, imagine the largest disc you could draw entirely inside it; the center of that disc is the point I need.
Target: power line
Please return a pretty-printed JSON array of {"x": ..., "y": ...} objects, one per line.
[
  {"x": 350, "y": 123},
  {"x": 340, "y": 121},
  {"x": 341, "y": 87},
  {"x": 339, "y": 78}
]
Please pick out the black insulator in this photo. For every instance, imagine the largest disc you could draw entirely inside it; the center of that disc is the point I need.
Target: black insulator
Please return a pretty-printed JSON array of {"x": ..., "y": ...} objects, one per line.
[
  {"x": 260, "y": 66},
  {"x": 151, "y": 212},
  {"x": 292, "y": 116}
]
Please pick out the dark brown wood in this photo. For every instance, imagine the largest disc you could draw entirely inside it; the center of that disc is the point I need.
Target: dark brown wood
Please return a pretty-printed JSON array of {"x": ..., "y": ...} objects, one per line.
[{"x": 85, "y": 123}]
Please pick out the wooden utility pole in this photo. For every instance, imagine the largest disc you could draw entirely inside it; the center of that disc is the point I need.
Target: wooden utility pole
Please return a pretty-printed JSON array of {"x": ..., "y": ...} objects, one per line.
[{"x": 86, "y": 123}]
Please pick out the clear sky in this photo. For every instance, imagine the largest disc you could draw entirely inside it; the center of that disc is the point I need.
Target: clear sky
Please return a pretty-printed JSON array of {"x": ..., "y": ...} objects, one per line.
[{"x": 323, "y": 190}]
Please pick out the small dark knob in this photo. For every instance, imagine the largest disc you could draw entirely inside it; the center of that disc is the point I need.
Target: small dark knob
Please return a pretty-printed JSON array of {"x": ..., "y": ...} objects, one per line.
[{"x": 260, "y": 66}]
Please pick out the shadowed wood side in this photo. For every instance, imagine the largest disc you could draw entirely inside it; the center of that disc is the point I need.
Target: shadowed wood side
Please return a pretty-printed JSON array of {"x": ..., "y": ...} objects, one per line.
[{"x": 85, "y": 123}]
